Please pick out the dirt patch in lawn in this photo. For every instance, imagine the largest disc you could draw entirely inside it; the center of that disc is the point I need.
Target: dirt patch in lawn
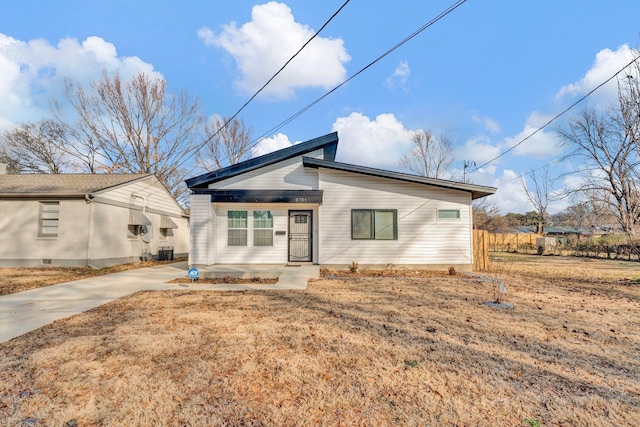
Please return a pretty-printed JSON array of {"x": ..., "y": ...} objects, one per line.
[
  {"x": 14, "y": 280},
  {"x": 227, "y": 279},
  {"x": 370, "y": 351},
  {"x": 390, "y": 273}
]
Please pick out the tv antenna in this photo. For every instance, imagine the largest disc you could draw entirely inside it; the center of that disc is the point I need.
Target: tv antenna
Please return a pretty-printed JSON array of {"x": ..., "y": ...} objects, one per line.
[{"x": 467, "y": 164}]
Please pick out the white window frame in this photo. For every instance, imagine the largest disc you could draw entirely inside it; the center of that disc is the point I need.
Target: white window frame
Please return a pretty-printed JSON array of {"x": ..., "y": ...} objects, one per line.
[
  {"x": 235, "y": 228},
  {"x": 258, "y": 230},
  {"x": 49, "y": 218}
]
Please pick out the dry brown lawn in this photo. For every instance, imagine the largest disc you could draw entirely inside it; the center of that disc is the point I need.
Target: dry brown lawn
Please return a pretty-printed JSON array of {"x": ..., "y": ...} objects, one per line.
[
  {"x": 14, "y": 280},
  {"x": 371, "y": 351}
]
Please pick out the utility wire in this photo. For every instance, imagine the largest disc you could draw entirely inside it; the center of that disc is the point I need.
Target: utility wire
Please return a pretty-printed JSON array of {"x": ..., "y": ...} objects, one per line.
[
  {"x": 396, "y": 46},
  {"x": 405, "y": 40},
  {"x": 558, "y": 115},
  {"x": 265, "y": 85}
]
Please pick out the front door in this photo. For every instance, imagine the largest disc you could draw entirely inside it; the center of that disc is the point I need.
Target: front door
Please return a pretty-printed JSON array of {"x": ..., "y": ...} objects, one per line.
[{"x": 300, "y": 236}]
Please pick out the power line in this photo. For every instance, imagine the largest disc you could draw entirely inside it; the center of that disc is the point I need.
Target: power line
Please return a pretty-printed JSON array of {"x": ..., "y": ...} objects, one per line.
[
  {"x": 264, "y": 85},
  {"x": 369, "y": 65},
  {"x": 405, "y": 40},
  {"x": 558, "y": 115}
]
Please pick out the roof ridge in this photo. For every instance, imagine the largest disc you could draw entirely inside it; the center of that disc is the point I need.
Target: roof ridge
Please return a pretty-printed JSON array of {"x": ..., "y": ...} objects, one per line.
[{"x": 328, "y": 142}]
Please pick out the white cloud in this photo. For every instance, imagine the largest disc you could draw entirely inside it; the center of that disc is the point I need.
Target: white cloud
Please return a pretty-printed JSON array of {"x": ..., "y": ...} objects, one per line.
[
  {"x": 400, "y": 77},
  {"x": 509, "y": 197},
  {"x": 606, "y": 64},
  {"x": 489, "y": 125},
  {"x": 263, "y": 45},
  {"x": 32, "y": 73},
  {"x": 542, "y": 145},
  {"x": 478, "y": 149},
  {"x": 379, "y": 143},
  {"x": 267, "y": 145}
]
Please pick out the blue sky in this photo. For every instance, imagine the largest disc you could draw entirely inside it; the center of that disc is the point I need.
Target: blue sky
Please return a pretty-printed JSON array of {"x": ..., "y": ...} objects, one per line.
[{"x": 486, "y": 75}]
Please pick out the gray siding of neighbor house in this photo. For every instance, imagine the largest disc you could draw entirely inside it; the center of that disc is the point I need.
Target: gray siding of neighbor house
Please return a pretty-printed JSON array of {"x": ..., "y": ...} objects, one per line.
[{"x": 22, "y": 245}]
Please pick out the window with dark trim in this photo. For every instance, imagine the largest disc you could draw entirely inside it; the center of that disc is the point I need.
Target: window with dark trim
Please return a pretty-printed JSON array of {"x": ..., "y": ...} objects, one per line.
[
  {"x": 374, "y": 224},
  {"x": 237, "y": 228},
  {"x": 448, "y": 213}
]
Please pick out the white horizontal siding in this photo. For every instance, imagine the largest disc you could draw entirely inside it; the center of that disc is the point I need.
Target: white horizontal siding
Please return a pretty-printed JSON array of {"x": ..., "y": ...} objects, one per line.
[
  {"x": 276, "y": 254},
  {"x": 202, "y": 222},
  {"x": 288, "y": 174},
  {"x": 422, "y": 237},
  {"x": 154, "y": 193}
]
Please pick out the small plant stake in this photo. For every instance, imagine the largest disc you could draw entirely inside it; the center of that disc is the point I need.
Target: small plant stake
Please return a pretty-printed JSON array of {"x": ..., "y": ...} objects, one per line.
[{"x": 193, "y": 274}]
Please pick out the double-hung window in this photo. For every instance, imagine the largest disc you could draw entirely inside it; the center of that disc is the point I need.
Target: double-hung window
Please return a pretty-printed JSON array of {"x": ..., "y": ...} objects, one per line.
[
  {"x": 237, "y": 226},
  {"x": 262, "y": 228},
  {"x": 374, "y": 224},
  {"x": 49, "y": 218}
]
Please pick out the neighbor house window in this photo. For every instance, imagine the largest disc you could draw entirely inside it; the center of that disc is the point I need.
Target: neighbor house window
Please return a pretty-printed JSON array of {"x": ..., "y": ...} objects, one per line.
[
  {"x": 133, "y": 231},
  {"x": 374, "y": 224},
  {"x": 49, "y": 217},
  {"x": 262, "y": 228},
  {"x": 237, "y": 228},
  {"x": 165, "y": 233},
  {"x": 448, "y": 213}
]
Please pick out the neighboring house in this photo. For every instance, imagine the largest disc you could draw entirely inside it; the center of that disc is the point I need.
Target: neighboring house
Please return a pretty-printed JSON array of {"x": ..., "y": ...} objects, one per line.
[
  {"x": 83, "y": 219},
  {"x": 299, "y": 205}
]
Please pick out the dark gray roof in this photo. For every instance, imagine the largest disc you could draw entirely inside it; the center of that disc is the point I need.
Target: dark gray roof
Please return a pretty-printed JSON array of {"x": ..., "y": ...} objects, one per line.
[
  {"x": 68, "y": 185},
  {"x": 329, "y": 143},
  {"x": 477, "y": 191}
]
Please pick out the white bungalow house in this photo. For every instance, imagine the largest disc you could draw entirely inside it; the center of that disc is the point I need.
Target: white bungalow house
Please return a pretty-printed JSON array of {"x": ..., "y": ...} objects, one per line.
[
  {"x": 88, "y": 220},
  {"x": 299, "y": 205}
]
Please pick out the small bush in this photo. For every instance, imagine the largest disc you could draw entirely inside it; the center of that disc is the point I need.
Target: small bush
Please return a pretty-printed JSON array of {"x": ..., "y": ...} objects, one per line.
[{"x": 354, "y": 267}]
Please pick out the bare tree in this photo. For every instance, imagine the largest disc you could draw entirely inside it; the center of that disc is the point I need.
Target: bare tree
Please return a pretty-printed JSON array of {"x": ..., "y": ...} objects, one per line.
[
  {"x": 487, "y": 216},
  {"x": 584, "y": 214},
  {"x": 33, "y": 147},
  {"x": 225, "y": 145},
  {"x": 430, "y": 157},
  {"x": 605, "y": 144},
  {"x": 540, "y": 195},
  {"x": 132, "y": 126}
]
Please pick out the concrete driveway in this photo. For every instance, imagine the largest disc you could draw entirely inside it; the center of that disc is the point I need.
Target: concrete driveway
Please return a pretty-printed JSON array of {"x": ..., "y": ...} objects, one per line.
[{"x": 23, "y": 312}]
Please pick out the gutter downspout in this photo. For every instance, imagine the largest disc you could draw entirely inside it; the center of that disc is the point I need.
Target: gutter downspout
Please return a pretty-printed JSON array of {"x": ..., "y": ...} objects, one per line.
[
  {"x": 89, "y": 199},
  {"x": 145, "y": 247}
]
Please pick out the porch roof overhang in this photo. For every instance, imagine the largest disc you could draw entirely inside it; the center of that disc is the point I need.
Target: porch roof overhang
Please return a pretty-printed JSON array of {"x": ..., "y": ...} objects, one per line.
[
  {"x": 138, "y": 218},
  {"x": 166, "y": 222},
  {"x": 262, "y": 196}
]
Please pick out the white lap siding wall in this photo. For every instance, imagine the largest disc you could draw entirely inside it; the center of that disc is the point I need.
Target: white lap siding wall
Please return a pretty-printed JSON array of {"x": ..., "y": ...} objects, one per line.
[
  {"x": 423, "y": 239},
  {"x": 288, "y": 174},
  {"x": 250, "y": 254}
]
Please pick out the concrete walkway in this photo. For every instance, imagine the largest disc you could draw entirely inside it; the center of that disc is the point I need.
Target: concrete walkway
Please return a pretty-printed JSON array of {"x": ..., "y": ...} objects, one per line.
[{"x": 23, "y": 312}]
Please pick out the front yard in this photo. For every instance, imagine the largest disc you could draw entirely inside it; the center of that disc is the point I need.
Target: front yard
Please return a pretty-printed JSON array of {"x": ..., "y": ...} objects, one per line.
[{"x": 396, "y": 350}]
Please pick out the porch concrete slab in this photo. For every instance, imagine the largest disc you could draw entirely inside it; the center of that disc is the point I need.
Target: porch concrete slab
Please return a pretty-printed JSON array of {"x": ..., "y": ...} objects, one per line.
[
  {"x": 293, "y": 277},
  {"x": 26, "y": 311}
]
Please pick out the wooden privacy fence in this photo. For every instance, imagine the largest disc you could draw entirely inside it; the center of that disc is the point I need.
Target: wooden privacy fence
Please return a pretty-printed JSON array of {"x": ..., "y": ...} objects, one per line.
[
  {"x": 507, "y": 242},
  {"x": 480, "y": 250}
]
